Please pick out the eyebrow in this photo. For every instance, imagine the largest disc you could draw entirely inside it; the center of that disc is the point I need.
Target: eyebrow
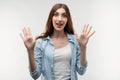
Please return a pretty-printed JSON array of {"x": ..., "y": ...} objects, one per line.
[{"x": 62, "y": 13}]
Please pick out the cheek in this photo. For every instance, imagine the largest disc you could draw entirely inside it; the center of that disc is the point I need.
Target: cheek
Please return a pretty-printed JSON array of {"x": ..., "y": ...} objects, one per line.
[
  {"x": 65, "y": 21},
  {"x": 53, "y": 21}
]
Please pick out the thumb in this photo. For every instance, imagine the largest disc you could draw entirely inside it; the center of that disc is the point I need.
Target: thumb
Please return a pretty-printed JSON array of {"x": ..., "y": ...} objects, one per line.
[
  {"x": 76, "y": 35},
  {"x": 37, "y": 36}
]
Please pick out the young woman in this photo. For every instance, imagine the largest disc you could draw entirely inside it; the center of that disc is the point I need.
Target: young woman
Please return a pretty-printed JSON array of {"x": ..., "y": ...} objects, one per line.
[{"x": 58, "y": 53}]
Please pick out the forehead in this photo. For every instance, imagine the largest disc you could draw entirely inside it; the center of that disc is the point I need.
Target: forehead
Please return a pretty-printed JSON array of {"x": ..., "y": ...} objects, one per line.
[{"x": 60, "y": 10}]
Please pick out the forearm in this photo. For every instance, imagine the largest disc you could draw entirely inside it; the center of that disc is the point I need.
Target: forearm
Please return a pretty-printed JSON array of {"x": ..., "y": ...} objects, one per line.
[
  {"x": 83, "y": 55},
  {"x": 31, "y": 59}
]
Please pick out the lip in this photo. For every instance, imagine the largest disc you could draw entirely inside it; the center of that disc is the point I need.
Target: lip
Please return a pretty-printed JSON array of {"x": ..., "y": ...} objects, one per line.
[{"x": 59, "y": 24}]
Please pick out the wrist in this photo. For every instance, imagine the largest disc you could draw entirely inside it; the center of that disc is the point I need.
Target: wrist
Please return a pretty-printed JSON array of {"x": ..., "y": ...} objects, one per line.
[
  {"x": 83, "y": 47},
  {"x": 30, "y": 51}
]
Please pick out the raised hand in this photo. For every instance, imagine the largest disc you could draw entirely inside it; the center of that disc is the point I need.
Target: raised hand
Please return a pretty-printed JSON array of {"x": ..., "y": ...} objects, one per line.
[
  {"x": 27, "y": 38},
  {"x": 85, "y": 35}
]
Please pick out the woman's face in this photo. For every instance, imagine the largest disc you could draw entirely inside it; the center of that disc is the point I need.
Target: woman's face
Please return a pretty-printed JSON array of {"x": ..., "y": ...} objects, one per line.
[{"x": 59, "y": 19}]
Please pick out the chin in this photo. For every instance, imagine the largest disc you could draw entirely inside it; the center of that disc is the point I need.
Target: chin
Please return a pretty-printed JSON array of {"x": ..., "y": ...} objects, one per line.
[{"x": 59, "y": 29}]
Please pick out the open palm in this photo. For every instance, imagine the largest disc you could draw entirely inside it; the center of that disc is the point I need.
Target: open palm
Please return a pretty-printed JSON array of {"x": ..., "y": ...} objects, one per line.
[
  {"x": 85, "y": 35},
  {"x": 27, "y": 38}
]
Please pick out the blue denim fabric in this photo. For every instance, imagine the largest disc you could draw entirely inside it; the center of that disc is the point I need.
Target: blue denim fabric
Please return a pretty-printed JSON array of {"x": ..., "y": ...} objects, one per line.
[{"x": 44, "y": 53}]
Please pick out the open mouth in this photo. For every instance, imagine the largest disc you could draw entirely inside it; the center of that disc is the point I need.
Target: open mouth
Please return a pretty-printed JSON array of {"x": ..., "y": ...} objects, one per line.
[{"x": 59, "y": 24}]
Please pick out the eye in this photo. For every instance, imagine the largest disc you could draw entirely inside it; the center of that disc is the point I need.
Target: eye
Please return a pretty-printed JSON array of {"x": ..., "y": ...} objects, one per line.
[
  {"x": 64, "y": 15},
  {"x": 55, "y": 14}
]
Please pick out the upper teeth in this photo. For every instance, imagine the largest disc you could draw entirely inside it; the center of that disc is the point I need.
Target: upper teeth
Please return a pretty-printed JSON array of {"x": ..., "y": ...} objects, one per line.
[{"x": 59, "y": 24}]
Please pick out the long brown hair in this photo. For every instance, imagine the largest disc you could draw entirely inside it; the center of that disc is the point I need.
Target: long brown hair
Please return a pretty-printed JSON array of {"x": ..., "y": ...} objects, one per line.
[{"x": 49, "y": 26}]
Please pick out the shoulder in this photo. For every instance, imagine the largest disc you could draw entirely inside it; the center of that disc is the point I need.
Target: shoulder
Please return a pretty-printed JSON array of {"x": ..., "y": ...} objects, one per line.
[
  {"x": 71, "y": 37},
  {"x": 41, "y": 42},
  {"x": 38, "y": 41}
]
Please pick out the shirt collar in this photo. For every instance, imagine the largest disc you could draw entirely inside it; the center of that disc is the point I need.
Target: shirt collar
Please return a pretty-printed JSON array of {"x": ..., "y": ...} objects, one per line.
[{"x": 70, "y": 37}]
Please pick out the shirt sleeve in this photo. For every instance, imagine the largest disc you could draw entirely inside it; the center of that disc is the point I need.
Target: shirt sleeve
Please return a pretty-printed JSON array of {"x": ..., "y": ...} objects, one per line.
[
  {"x": 38, "y": 60},
  {"x": 80, "y": 68}
]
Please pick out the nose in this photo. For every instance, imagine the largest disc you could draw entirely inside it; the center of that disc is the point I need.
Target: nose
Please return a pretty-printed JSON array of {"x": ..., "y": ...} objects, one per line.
[{"x": 59, "y": 17}]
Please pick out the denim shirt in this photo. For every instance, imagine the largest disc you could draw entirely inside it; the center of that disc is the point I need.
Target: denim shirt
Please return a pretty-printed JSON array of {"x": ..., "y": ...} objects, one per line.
[{"x": 44, "y": 53}]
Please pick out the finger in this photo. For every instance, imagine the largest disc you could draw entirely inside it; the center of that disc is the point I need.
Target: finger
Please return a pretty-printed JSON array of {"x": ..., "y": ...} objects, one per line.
[
  {"x": 91, "y": 34},
  {"x": 29, "y": 32},
  {"x": 22, "y": 36},
  {"x": 86, "y": 28},
  {"x": 24, "y": 31},
  {"x": 76, "y": 34},
  {"x": 89, "y": 30}
]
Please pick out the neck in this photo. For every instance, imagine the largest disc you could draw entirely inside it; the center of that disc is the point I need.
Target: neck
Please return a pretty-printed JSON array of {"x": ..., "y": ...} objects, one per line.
[{"x": 57, "y": 34}]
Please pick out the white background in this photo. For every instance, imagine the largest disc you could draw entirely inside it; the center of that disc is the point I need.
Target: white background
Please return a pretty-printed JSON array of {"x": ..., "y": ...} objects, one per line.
[{"x": 103, "y": 50}]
